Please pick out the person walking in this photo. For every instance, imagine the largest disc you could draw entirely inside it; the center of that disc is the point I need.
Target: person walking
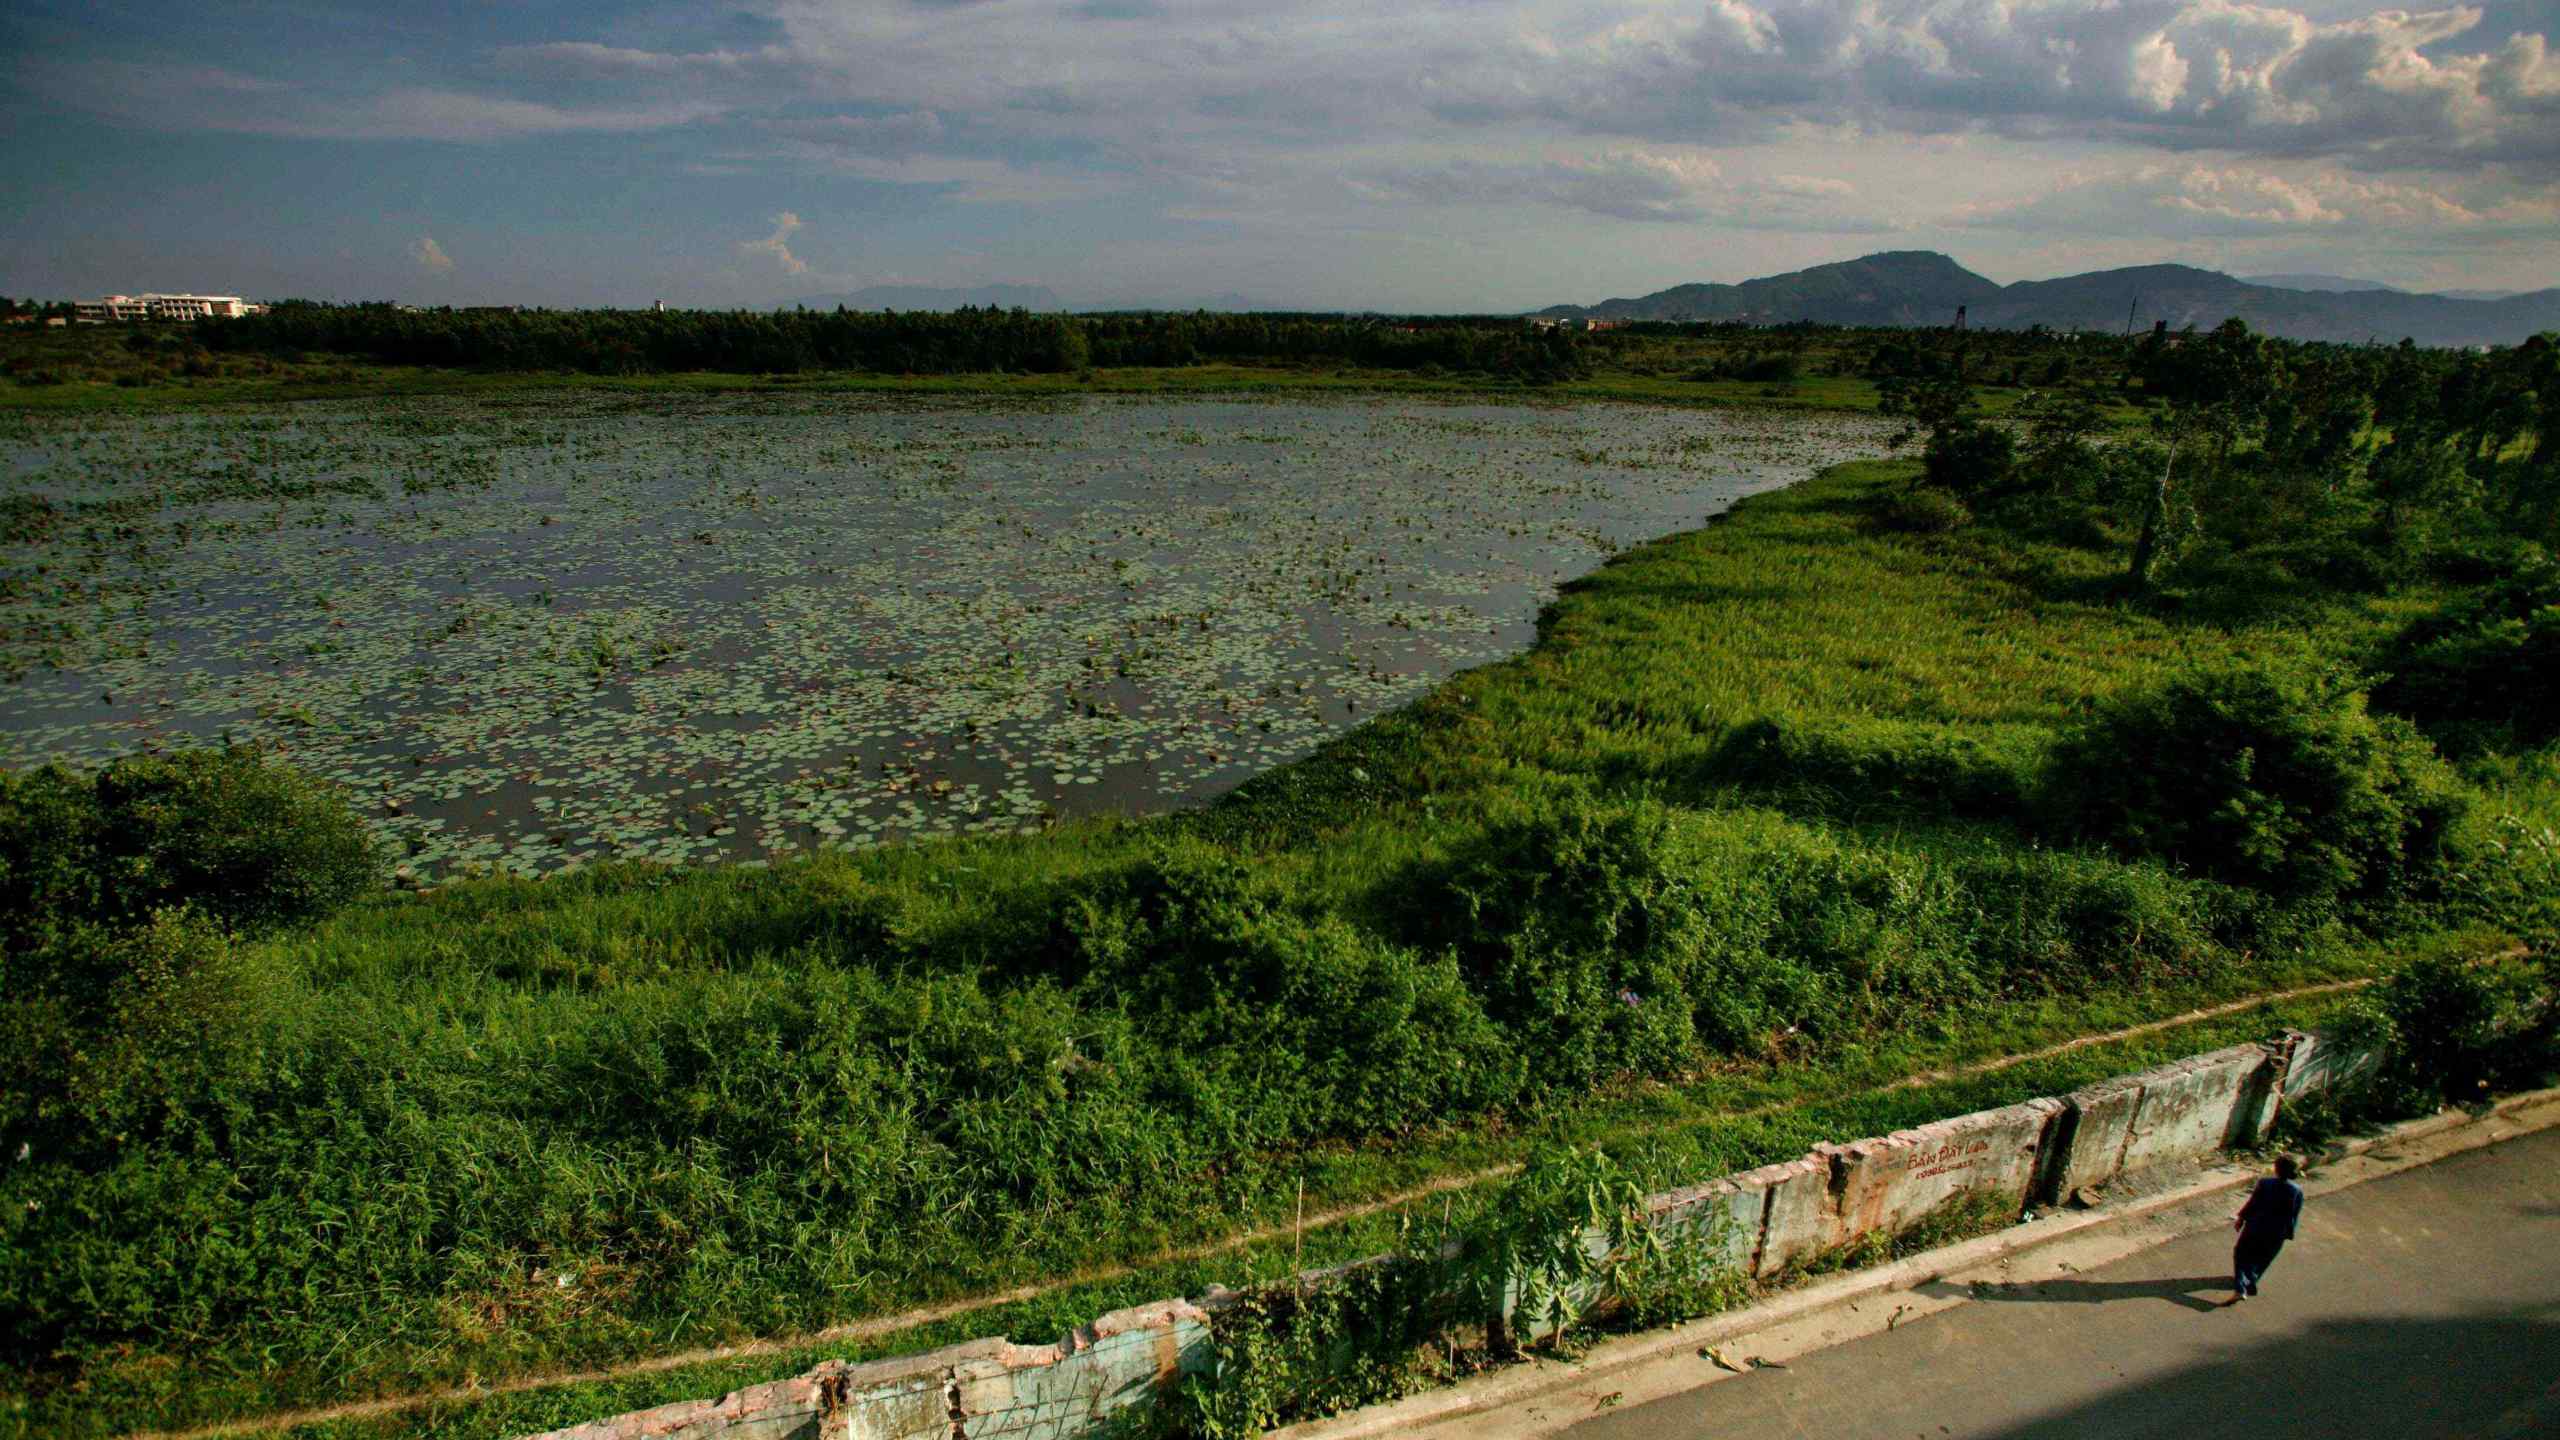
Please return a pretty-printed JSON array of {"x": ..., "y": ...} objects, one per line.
[{"x": 2264, "y": 1223}]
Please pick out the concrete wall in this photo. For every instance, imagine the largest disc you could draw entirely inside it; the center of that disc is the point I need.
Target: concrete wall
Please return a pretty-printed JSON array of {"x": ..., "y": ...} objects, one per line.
[
  {"x": 1889, "y": 1184},
  {"x": 976, "y": 1391},
  {"x": 2319, "y": 1062},
  {"x": 2191, "y": 1108},
  {"x": 1762, "y": 1221}
]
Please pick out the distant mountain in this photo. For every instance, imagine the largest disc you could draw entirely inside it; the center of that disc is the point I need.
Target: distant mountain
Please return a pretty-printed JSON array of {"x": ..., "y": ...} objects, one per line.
[
  {"x": 2481, "y": 294},
  {"x": 927, "y": 297},
  {"x": 1921, "y": 287},
  {"x": 2331, "y": 283},
  {"x": 1899, "y": 287}
]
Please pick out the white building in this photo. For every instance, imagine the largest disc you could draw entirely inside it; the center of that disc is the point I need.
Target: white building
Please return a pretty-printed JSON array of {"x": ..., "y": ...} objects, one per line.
[{"x": 164, "y": 307}]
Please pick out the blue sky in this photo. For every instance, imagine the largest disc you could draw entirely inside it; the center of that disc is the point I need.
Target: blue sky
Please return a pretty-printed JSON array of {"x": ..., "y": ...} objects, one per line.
[{"x": 1430, "y": 155}]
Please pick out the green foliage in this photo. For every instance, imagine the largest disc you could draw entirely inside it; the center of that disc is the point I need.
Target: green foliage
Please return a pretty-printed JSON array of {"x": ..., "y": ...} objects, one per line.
[
  {"x": 2271, "y": 776},
  {"x": 1568, "y": 1238},
  {"x": 1284, "y": 1354},
  {"x": 516, "y": 1126},
  {"x": 1575, "y": 926},
  {"x": 1213, "y": 963},
  {"x": 968, "y": 340},
  {"x": 1969, "y": 458},
  {"x": 1920, "y": 511},
  {"x": 1875, "y": 769},
  {"x": 112, "y": 1037},
  {"x": 249, "y": 842},
  {"x": 2484, "y": 671},
  {"x": 2453, "y": 1032}
]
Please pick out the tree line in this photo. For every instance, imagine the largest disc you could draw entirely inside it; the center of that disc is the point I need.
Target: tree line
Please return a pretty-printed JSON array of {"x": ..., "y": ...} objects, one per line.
[{"x": 968, "y": 340}]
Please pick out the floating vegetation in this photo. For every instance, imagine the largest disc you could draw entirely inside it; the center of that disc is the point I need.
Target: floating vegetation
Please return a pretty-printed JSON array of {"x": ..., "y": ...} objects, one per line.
[{"x": 531, "y": 631}]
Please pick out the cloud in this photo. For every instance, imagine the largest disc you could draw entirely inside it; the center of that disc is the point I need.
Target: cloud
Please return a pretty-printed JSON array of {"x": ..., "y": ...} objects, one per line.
[
  {"x": 429, "y": 256},
  {"x": 195, "y": 97},
  {"x": 778, "y": 245},
  {"x": 899, "y": 134},
  {"x": 2239, "y": 201},
  {"x": 1623, "y": 185},
  {"x": 1809, "y": 186}
]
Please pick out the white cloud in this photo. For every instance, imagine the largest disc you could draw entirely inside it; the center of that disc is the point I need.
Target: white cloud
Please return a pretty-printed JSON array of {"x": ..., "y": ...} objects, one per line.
[
  {"x": 1622, "y": 184},
  {"x": 1809, "y": 185},
  {"x": 2238, "y": 201},
  {"x": 778, "y": 245},
  {"x": 429, "y": 256},
  {"x": 211, "y": 98}
]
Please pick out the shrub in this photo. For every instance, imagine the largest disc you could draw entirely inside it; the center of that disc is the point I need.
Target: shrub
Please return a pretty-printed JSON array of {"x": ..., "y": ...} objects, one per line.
[
  {"x": 2454, "y": 1032},
  {"x": 1780, "y": 368},
  {"x": 249, "y": 843},
  {"x": 2271, "y": 777},
  {"x": 2486, "y": 669},
  {"x": 1922, "y": 512},
  {"x": 1970, "y": 458},
  {"x": 1576, "y": 932},
  {"x": 1226, "y": 980},
  {"x": 110, "y": 1034}
]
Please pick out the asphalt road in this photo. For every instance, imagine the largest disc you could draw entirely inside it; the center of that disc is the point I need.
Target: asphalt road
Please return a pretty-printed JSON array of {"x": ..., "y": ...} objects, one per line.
[{"x": 2424, "y": 1304}]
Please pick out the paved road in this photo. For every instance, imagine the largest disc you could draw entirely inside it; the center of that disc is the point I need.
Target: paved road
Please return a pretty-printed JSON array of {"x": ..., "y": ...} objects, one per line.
[{"x": 2425, "y": 1304}]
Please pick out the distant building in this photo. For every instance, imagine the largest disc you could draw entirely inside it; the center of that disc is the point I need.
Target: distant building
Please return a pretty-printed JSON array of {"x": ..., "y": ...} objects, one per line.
[{"x": 156, "y": 306}]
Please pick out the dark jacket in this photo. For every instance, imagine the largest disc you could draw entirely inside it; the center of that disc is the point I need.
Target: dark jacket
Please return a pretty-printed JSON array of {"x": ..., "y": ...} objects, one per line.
[{"x": 2273, "y": 1208}]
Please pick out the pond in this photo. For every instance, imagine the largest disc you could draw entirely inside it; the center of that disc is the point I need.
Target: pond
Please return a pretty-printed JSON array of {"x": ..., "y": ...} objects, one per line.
[{"x": 528, "y": 630}]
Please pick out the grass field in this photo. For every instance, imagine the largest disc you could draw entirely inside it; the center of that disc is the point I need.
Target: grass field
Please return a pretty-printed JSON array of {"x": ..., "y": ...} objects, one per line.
[{"x": 1758, "y": 801}]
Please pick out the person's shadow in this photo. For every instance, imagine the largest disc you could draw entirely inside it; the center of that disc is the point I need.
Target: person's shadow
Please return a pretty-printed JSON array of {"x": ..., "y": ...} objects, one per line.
[{"x": 2084, "y": 1292}]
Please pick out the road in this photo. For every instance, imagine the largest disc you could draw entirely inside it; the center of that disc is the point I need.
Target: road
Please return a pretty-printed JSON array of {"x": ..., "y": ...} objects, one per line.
[{"x": 2423, "y": 1304}]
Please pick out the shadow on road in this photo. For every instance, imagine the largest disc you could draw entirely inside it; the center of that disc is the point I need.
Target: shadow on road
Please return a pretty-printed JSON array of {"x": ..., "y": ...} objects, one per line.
[
  {"x": 2495, "y": 1373},
  {"x": 2182, "y": 1293}
]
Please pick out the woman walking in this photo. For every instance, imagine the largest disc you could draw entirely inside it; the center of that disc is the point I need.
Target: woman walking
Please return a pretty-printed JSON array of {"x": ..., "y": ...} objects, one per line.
[{"x": 2264, "y": 1223}]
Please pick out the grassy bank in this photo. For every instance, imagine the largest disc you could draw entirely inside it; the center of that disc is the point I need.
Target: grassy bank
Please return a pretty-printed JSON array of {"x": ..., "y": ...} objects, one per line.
[
  {"x": 1751, "y": 826},
  {"x": 1670, "y": 1136}
]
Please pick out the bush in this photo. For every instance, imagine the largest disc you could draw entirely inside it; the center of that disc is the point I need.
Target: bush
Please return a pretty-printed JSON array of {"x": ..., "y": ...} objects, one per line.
[
  {"x": 2455, "y": 1032},
  {"x": 1225, "y": 980},
  {"x": 1576, "y": 932},
  {"x": 107, "y": 1036},
  {"x": 1922, "y": 512},
  {"x": 1781, "y": 368},
  {"x": 250, "y": 844},
  {"x": 2484, "y": 671},
  {"x": 1969, "y": 458},
  {"x": 2270, "y": 777}
]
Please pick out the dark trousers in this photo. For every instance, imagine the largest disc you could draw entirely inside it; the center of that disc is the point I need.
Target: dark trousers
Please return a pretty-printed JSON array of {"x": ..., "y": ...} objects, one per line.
[{"x": 2250, "y": 1259}]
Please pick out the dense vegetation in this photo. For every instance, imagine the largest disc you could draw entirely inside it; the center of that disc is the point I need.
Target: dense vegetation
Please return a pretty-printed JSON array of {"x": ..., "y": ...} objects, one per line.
[
  {"x": 2071, "y": 718},
  {"x": 621, "y": 342}
]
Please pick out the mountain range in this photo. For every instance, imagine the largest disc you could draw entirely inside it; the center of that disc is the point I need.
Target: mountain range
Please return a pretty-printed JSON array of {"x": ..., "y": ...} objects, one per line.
[{"x": 1922, "y": 287}]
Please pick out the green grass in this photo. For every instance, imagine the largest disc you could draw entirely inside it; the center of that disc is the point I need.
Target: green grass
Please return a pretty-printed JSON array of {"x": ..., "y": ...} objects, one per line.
[
  {"x": 1667, "y": 1136},
  {"x": 516, "y": 1127}
]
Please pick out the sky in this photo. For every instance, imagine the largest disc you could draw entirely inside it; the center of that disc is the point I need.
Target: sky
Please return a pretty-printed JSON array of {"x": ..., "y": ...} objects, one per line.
[{"x": 1416, "y": 155}]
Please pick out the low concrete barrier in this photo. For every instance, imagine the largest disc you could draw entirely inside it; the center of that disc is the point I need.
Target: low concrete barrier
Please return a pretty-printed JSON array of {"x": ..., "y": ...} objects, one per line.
[
  {"x": 2193, "y": 1107},
  {"x": 2319, "y": 1062},
  {"x": 976, "y": 1391},
  {"x": 1891, "y": 1183},
  {"x": 1761, "y": 1220}
]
